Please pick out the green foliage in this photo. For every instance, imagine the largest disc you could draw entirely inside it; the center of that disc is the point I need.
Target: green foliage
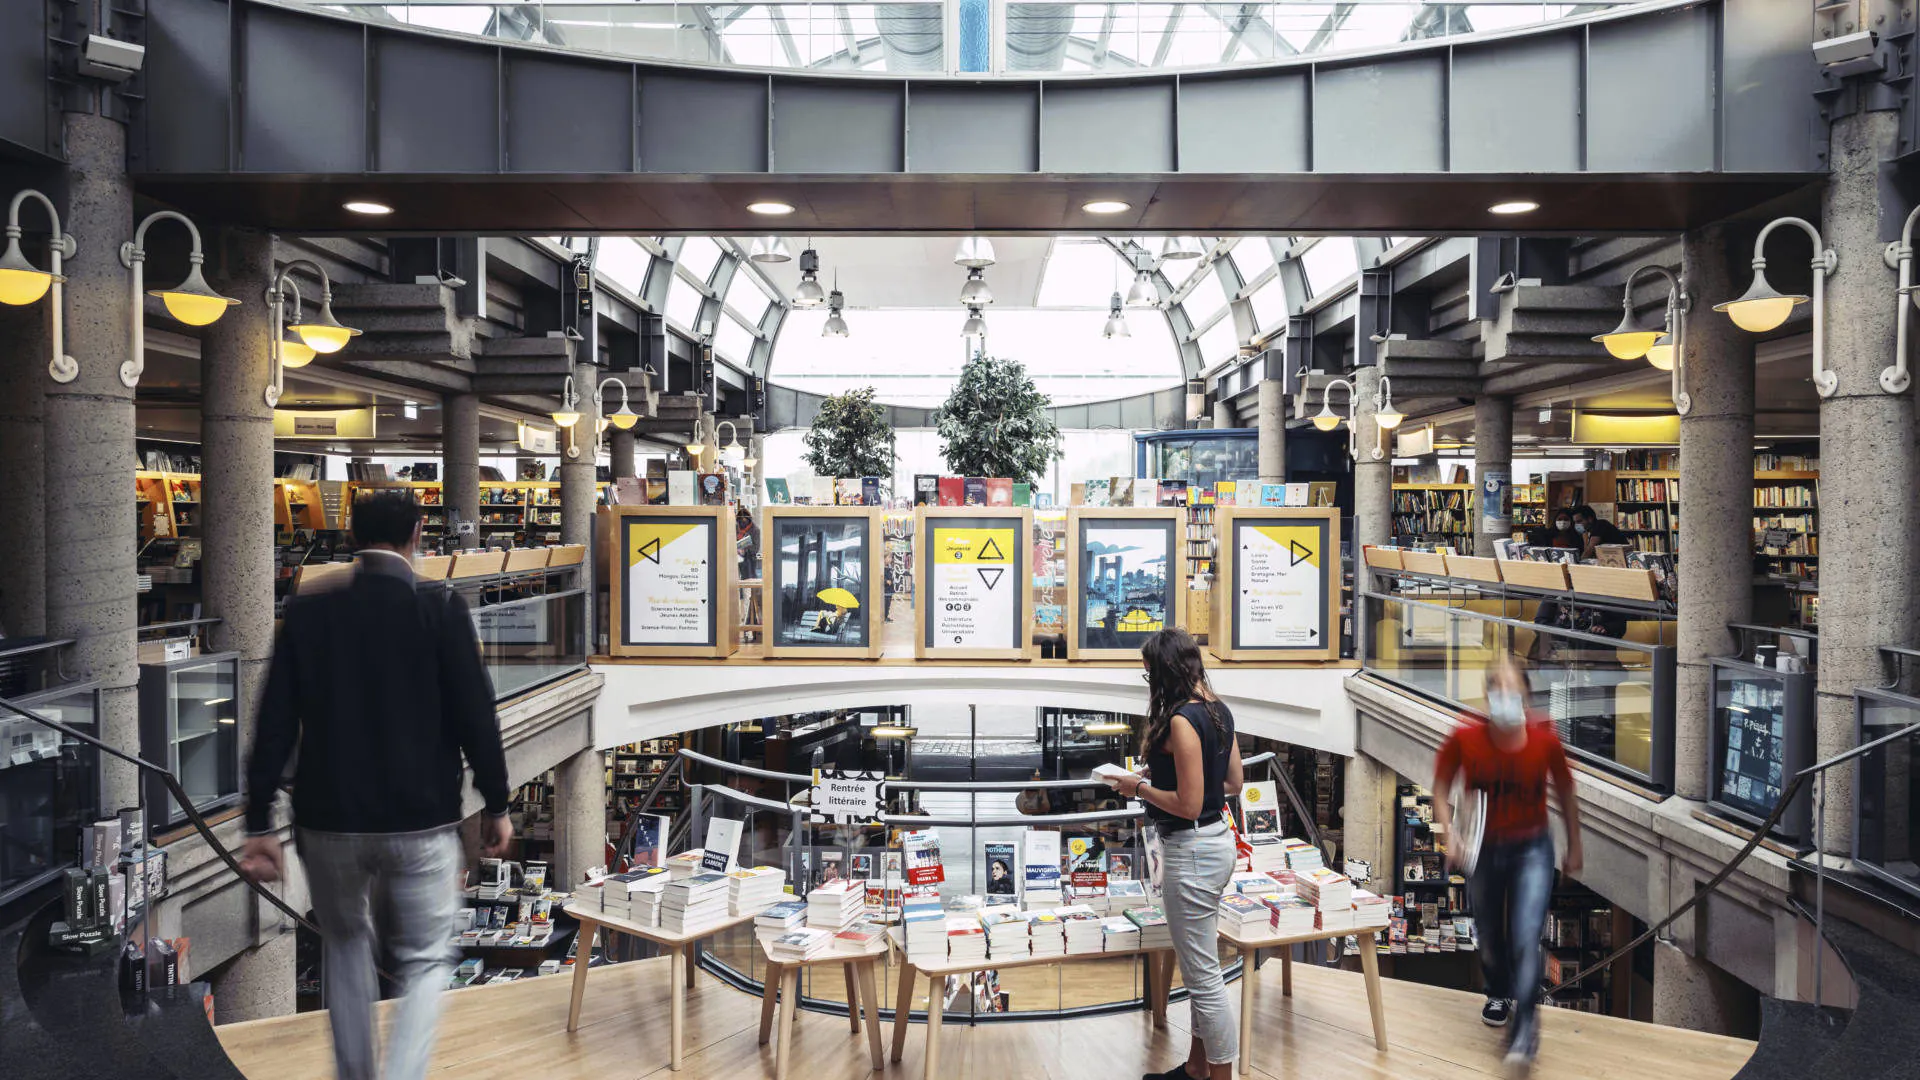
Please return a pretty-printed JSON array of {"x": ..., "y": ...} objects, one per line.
[
  {"x": 850, "y": 437},
  {"x": 995, "y": 423}
]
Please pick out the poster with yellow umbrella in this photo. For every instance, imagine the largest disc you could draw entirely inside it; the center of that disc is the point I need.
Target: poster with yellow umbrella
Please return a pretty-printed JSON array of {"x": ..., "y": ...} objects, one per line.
[{"x": 823, "y": 581}]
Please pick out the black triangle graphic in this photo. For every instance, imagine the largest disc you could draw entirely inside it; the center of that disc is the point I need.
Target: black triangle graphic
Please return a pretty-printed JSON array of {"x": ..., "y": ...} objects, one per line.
[
  {"x": 1301, "y": 552},
  {"x": 990, "y": 552},
  {"x": 650, "y": 550},
  {"x": 991, "y": 574}
]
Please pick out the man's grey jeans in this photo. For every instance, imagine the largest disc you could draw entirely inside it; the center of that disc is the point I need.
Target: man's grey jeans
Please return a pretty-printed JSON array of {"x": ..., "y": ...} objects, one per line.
[
  {"x": 415, "y": 876},
  {"x": 1196, "y": 866}
]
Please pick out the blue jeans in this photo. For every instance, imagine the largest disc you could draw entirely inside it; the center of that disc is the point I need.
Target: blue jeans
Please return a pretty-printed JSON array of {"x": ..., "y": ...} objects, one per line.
[
  {"x": 1509, "y": 890},
  {"x": 1197, "y": 865},
  {"x": 417, "y": 876}
]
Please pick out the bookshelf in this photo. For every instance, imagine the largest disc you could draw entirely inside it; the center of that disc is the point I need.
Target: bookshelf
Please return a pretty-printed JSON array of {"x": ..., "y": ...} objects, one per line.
[
  {"x": 167, "y": 504},
  {"x": 528, "y": 511},
  {"x": 1645, "y": 505},
  {"x": 297, "y": 506},
  {"x": 1529, "y": 508},
  {"x": 1200, "y": 555},
  {"x": 1580, "y": 931},
  {"x": 1787, "y": 500},
  {"x": 1439, "y": 514},
  {"x": 632, "y": 769},
  {"x": 1431, "y": 903}
]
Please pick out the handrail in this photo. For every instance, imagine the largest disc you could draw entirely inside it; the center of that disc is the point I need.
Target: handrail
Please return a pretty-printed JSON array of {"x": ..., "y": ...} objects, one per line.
[
  {"x": 1504, "y": 588},
  {"x": 1527, "y": 624},
  {"x": 922, "y": 785},
  {"x": 1084, "y": 817},
  {"x": 35, "y": 645}
]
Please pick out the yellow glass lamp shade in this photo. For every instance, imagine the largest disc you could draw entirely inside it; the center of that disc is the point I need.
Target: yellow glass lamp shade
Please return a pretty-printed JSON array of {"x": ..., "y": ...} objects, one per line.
[
  {"x": 295, "y": 354},
  {"x": 839, "y": 598},
  {"x": 20, "y": 282},
  {"x": 324, "y": 333},
  {"x": 1325, "y": 420},
  {"x": 1761, "y": 308},
  {"x": 624, "y": 419},
  {"x": 1388, "y": 418},
  {"x": 1661, "y": 354},
  {"x": 1629, "y": 340},
  {"x": 695, "y": 449},
  {"x": 565, "y": 417},
  {"x": 193, "y": 301},
  {"x": 600, "y": 424}
]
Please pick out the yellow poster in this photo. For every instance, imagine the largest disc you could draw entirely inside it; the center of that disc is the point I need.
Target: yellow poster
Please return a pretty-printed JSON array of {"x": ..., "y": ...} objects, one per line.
[
  {"x": 1283, "y": 600},
  {"x": 669, "y": 583},
  {"x": 974, "y": 579}
]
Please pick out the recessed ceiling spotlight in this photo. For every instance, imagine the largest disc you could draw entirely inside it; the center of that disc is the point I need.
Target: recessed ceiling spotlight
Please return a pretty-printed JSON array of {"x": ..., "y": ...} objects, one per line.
[
  {"x": 1106, "y": 206},
  {"x": 364, "y": 206},
  {"x": 770, "y": 207},
  {"x": 1515, "y": 206}
]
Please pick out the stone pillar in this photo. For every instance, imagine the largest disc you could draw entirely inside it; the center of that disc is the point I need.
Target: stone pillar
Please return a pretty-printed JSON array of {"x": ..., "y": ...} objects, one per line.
[
  {"x": 1716, "y": 482},
  {"x": 460, "y": 460},
  {"x": 577, "y": 491},
  {"x": 579, "y": 816},
  {"x": 236, "y": 471},
  {"x": 1689, "y": 992},
  {"x": 621, "y": 446},
  {"x": 258, "y": 984},
  {"x": 1224, "y": 415},
  {"x": 1272, "y": 424},
  {"x": 1372, "y": 479},
  {"x": 91, "y": 535},
  {"x": 1368, "y": 817},
  {"x": 1492, "y": 453},
  {"x": 25, "y": 349},
  {"x": 1867, "y": 474},
  {"x": 759, "y": 470}
]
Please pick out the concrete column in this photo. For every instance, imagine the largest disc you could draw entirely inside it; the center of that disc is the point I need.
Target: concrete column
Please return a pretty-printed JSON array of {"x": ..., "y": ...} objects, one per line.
[
  {"x": 25, "y": 348},
  {"x": 257, "y": 984},
  {"x": 1492, "y": 453},
  {"x": 577, "y": 492},
  {"x": 1368, "y": 817},
  {"x": 1272, "y": 424},
  {"x": 1716, "y": 482},
  {"x": 236, "y": 470},
  {"x": 621, "y": 447},
  {"x": 1224, "y": 415},
  {"x": 759, "y": 470},
  {"x": 579, "y": 816},
  {"x": 1689, "y": 992},
  {"x": 91, "y": 535},
  {"x": 460, "y": 459},
  {"x": 1372, "y": 480},
  {"x": 1867, "y": 473}
]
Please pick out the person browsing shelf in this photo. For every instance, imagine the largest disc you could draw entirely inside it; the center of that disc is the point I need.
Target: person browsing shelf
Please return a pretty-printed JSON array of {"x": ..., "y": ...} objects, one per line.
[
  {"x": 1193, "y": 761},
  {"x": 1594, "y": 530},
  {"x": 1509, "y": 759}
]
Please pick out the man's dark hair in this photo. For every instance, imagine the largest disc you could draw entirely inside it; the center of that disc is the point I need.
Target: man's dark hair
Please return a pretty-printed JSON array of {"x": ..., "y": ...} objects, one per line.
[
  {"x": 1585, "y": 511},
  {"x": 385, "y": 517}
]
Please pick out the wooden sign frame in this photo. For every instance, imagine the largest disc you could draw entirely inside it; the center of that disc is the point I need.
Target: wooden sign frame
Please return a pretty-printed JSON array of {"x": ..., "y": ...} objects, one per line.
[
  {"x": 1223, "y": 640},
  {"x": 1152, "y": 519},
  {"x": 722, "y": 597},
  {"x": 873, "y": 565},
  {"x": 927, "y": 519}
]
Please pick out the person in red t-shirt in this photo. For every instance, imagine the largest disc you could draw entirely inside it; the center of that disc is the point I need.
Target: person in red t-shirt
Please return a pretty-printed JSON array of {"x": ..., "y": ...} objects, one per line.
[{"x": 1510, "y": 759}]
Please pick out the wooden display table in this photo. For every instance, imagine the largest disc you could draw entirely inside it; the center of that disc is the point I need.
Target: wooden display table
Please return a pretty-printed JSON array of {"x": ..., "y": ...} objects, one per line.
[
  {"x": 782, "y": 981},
  {"x": 1159, "y": 985},
  {"x": 1247, "y": 946},
  {"x": 679, "y": 946}
]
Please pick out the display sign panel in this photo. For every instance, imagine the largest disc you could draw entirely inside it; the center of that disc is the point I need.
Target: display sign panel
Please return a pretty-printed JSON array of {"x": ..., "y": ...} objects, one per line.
[
  {"x": 1278, "y": 581},
  {"x": 973, "y": 595},
  {"x": 669, "y": 583},
  {"x": 821, "y": 590}
]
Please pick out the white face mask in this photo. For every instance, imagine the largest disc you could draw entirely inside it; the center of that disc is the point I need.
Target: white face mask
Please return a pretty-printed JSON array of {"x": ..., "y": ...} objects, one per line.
[
  {"x": 1505, "y": 710},
  {"x": 1563, "y": 525},
  {"x": 1582, "y": 527}
]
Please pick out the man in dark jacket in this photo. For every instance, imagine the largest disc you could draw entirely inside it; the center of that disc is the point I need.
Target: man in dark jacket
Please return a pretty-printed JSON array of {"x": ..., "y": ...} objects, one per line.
[{"x": 378, "y": 684}]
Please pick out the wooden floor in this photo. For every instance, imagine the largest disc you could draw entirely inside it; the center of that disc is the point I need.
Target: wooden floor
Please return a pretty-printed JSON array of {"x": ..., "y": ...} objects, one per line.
[{"x": 517, "y": 1030}]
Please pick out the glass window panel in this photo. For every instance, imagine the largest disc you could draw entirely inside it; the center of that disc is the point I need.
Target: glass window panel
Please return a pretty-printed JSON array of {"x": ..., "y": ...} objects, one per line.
[
  {"x": 698, "y": 256},
  {"x": 1270, "y": 308},
  {"x": 1251, "y": 256},
  {"x": 1082, "y": 274},
  {"x": 1206, "y": 298},
  {"x": 745, "y": 296},
  {"x": 1298, "y": 23},
  {"x": 1369, "y": 25},
  {"x": 1330, "y": 262},
  {"x": 683, "y": 304},
  {"x": 1219, "y": 342},
  {"x": 624, "y": 262},
  {"x": 733, "y": 341}
]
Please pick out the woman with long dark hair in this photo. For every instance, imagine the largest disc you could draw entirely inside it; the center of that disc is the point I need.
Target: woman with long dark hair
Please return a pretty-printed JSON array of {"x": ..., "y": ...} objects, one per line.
[{"x": 1193, "y": 765}]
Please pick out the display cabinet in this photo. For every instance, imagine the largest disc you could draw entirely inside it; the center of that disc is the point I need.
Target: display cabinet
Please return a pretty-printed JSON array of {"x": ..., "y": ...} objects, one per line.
[
  {"x": 1763, "y": 734},
  {"x": 189, "y": 724},
  {"x": 49, "y": 788}
]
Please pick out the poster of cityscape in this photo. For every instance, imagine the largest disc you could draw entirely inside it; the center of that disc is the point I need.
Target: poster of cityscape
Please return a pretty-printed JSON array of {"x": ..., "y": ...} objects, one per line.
[{"x": 1124, "y": 595}]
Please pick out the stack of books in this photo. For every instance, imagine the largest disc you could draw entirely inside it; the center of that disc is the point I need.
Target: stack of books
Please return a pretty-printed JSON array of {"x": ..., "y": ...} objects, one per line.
[
  {"x": 863, "y": 937},
  {"x": 1154, "y": 932},
  {"x": 1326, "y": 890},
  {"x": 925, "y": 928},
  {"x": 1288, "y": 916},
  {"x": 635, "y": 895},
  {"x": 1083, "y": 930},
  {"x": 835, "y": 905},
  {"x": 966, "y": 939},
  {"x": 1048, "y": 932},
  {"x": 780, "y": 918},
  {"x": 1123, "y": 896},
  {"x": 1007, "y": 934},
  {"x": 694, "y": 905},
  {"x": 1118, "y": 934},
  {"x": 1243, "y": 916},
  {"x": 1302, "y": 857},
  {"x": 799, "y": 945},
  {"x": 1370, "y": 912},
  {"x": 1285, "y": 882},
  {"x": 1252, "y": 884},
  {"x": 1269, "y": 852},
  {"x": 754, "y": 889},
  {"x": 686, "y": 864}
]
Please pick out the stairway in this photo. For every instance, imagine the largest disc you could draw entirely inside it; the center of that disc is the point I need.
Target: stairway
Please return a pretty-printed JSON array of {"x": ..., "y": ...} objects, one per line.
[
  {"x": 1878, "y": 1040},
  {"x": 62, "y": 1017}
]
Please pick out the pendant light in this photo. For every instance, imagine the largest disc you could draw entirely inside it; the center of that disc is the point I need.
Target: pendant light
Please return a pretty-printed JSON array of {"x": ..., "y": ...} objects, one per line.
[
  {"x": 1143, "y": 294},
  {"x": 769, "y": 249},
  {"x": 975, "y": 252},
  {"x": 975, "y": 326},
  {"x": 1116, "y": 320},
  {"x": 836, "y": 324},
  {"x": 975, "y": 292},
  {"x": 1181, "y": 247},
  {"x": 808, "y": 293}
]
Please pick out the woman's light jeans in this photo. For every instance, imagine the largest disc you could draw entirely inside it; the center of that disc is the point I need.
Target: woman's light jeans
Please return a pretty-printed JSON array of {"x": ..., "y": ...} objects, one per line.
[{"x": 1197, "y": 864}]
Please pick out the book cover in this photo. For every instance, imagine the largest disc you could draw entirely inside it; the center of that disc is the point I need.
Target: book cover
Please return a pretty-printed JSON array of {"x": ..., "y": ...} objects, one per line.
[
  {"x": 846, "y": 491},
  {"x": 1260, "y": 807},
  {"x": 1120, "y": 491},
  {"x": 976, "y": 491},
  {"x": 1097, "y": 492},
  {"x": 952, "y": 491},
  {"x": 1172, "y": 493},
  {"x": 926, "y": 490},
  {"x": 629, "y": 491},
  {"x": 778, "y": 494},
  {"x": 722, "y": 846},
  {"x": 823, "y": 490},
  {"x": 681, "y": 489},
  {"x": 869, "y": 491},
  {"x": 1000, "y": 864},
  {"x": 921, "y": 853},
  {"x": 999, "y": 491},
  {"x": 1043, "y": 500},
  {"x": 713, "y": 489},
  {"x": 1273, "y": 494},
  {"x": 1297, "y": 494},
  {"x": 1023, "y": 494},
  {"x": 1224, "y": 492},
  {"x": 1201, "y": 495},
  {"x": 657, "y": 493},
  {"x": 1077, "y": 493},
  {"x": 1040, "y": 856}
]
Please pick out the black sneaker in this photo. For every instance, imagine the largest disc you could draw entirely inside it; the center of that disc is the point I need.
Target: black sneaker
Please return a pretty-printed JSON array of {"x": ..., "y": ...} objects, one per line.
[
  {"x": 1522, "y": 1050},
  {"x": 1496, "y": 1012}
]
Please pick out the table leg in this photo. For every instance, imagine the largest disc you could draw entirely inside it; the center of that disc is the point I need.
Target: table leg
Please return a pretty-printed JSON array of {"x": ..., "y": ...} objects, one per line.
[
  {"x": 690, "y": 965},
  {"x": 1247, "y": 978},
  {"x": 853, "y": 996},
  {"x": 1160, "y": 971},
  {"x": 936, "y": 1004},
  {"x": 870, "y": 1000},
  {"x": 677, "y": 1025},
  {"x": 581, "y": 955},
  {"x": 769, "y": 997},
  {"x": 789, "y": 994},
  {"x": 1370, "y": 964},
  {"x": 1286, "y": 970},
  {"x": 902, "y": 1006}
]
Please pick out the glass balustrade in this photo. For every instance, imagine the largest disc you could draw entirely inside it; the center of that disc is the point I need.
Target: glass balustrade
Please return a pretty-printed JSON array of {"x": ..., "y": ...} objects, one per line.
[
  {"x": 49, "y": 788},
  {"x": 533, "y": 640},
  {"x": 1887, "y": 803}
]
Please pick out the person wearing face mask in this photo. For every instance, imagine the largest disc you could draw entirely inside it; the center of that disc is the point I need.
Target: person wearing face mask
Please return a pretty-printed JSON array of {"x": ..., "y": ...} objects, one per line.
[
  {"x": 1510, "y": 760},
  {"x": 1594, "y": 530}
]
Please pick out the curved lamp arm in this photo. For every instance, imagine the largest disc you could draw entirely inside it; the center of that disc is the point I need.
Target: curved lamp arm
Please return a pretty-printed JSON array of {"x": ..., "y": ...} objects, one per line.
[
  {"x": 600, "y": 410},
  {"x": 1326, "y": 408},
  {"x": 276, "y": 304},
  {"x": 1383, "y": 401},
  {"x": 133, "y": 255},
  {"x": 1678, "y": 304},
  {"x": 62, "y": 368},
  {"x": 1824, "y": 262},
  {"x": 1899, "y": 256}
]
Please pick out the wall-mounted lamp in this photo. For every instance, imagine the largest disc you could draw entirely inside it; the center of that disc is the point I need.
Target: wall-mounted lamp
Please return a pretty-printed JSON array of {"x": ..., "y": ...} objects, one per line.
[
  {"x": 568, "y": 414},
  {"x": 1327, "y": 420},
  {"x": 1663, "y": 346},
  {"x": 733, "y": 449},
  {"x": 1899, "y": 255},
  {"x": 1762, "y": 308},
  {"x": 192, "y": 301},
  {"x": 22, "y": 283},
  {"x": 320, "y": 334}
]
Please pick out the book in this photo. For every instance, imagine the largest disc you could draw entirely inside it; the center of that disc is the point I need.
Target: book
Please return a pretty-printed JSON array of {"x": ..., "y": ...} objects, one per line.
[
  {"x": 921, "y": 851},
  {"x": 1000, "y": 869},
  {"x": 713, "y": 489},
  {"x": 1040, "y": 867},
  {"x": 926, "y": 490},
  {"x": 999, "y": 491},
  {"x": 1273, "y": 494},
  {"x": 952, "y": 491},
  {"x": 847, "y": 491},
  {"x": 1260, "y": 807},
  {"x": 1023, "y": 494},
  {"x": 823, "y": 491},
  {"x": 1224, "y": 492},
  {"x": 1120, "y": 491},
  {"x": 723, "y": 841},
  {"x": 1097, "y": 492},
  {"x": 680, "y": 488},
  {"x": 975, "y": 491},
  {"x": 870, "y": 491},
  {"x": 799, "y": 944},
  {"x": 778, "y": 494},
  {"x": 1173, "y": 493}
]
